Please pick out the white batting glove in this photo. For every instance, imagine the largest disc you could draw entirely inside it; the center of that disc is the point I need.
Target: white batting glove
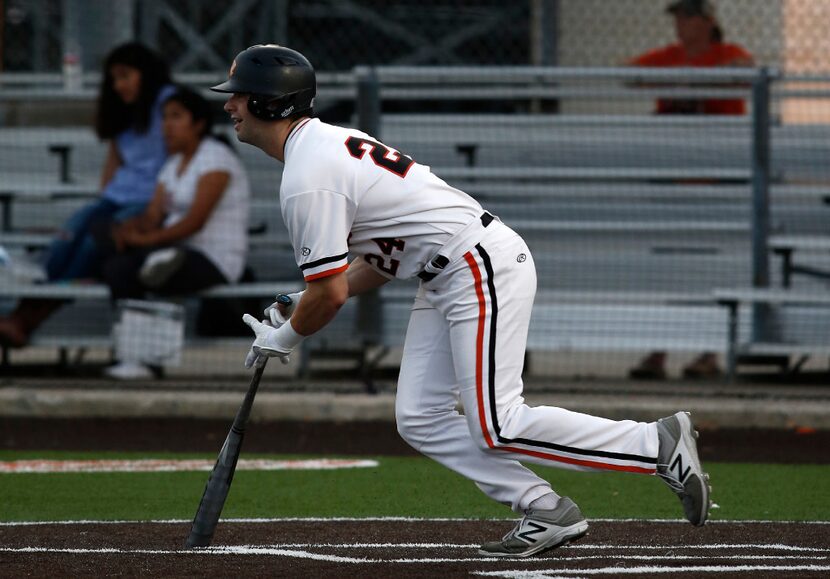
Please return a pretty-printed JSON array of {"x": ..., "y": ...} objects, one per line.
[
  {"x": 270, "y": 341},
  {"x": 274, "y": 313},
  {"x": 254, "y": 358}
]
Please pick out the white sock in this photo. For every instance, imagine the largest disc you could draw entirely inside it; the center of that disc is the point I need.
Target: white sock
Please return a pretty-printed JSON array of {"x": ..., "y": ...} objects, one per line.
[{"x": 545, "y": 502}]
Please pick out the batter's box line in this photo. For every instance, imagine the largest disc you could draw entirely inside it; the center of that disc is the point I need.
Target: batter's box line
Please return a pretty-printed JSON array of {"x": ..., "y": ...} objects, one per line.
[
  {"x": 765, "y": 546},
  {"x": 672, "y": 556},
  {"x": 245, "y": 551},
  {"x": 308, "y": 555},
  {"x": 211, "y": 551},
  {"x": 581, "y": 546},
  {"x": 570, "y": 573},
  {"x": 393, "y": 519}
]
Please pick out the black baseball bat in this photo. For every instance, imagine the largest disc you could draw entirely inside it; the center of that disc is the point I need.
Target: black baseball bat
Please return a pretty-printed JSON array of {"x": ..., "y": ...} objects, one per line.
[{"x": 221, "y": 477}]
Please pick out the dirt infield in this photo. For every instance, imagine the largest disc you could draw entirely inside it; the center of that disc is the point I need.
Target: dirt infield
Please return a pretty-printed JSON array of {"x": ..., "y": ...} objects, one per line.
[
  {"x": 411, "y": 548},
  {"x": 349, "y": 438},
  {"x": 392, "y": 548}
]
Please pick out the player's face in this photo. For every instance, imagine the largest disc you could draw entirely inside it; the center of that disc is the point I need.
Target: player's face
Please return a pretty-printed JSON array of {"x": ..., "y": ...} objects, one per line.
[
  {"x": 180, "y": 132},
  {"x": 126, "y": 82},
  {"x": 237, "y": 107}
]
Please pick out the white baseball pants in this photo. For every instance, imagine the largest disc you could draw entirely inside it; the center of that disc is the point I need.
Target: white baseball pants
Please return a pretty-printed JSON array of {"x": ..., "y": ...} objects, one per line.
[{"x": 466, "y": 340}]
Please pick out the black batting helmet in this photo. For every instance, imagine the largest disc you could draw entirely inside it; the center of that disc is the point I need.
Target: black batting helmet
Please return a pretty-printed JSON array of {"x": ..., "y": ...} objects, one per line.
[{"x": 280, "y": 81}]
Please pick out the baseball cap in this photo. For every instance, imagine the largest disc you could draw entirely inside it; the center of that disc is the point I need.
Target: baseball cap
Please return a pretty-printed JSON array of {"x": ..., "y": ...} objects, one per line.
[{"x": 692, "y": 8}]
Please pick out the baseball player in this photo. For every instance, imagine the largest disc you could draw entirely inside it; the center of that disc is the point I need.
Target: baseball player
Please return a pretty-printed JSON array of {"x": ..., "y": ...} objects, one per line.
[{"x": 345, "y": 193}]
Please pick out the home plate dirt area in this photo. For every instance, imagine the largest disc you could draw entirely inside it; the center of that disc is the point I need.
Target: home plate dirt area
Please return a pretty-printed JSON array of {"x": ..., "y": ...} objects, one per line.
[{"x": 411, "y": 548}]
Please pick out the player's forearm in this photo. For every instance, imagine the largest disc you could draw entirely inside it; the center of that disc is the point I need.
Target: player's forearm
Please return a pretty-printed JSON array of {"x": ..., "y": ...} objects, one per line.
[
  {"x": 321, "y": 301},
  {"x": 362, "y": 277}
]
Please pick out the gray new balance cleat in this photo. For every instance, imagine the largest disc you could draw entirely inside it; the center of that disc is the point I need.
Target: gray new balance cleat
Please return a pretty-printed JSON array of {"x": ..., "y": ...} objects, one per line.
[
  {"x": 540, "y": 530},
  {"x": 679, "y": 466}
]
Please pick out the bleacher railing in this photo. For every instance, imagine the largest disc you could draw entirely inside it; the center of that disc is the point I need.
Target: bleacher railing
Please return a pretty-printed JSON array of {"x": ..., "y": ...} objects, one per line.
[{"x": 564, "y": 92}]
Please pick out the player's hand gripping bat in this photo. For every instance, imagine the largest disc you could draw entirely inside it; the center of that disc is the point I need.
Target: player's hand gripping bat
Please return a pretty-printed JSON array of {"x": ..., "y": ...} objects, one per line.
[{"x": 219, "y": 483}]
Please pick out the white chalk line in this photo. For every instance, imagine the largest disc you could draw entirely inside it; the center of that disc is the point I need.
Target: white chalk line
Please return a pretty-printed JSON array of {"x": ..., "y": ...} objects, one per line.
[
  {"x": 49, "y": 466},
  {"x": 383, "y": 519},
  {"x": 762, "y": 546},
  {"x": 247, "y": 521},
  {"x": 552, "y": 573},
  {"x": 208, "y": 551},
  {"x": 580, "y": 546},
  {"x": 300, "y": 550},
  {"x": 249, "y": 551}
]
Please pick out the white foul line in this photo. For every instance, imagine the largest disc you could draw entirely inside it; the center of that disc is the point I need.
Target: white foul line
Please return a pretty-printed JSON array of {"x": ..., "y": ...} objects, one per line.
[
  {"x": 380, "y": 519},
  {"x": 254, "y": 521},
  {"x": 299, "y": 551},
  {"x": 46, "y": 466},
  {"x": 770, "y": 546},
  {"x": 525, "y": 574},
  {"x": 764, "y": 546},
  {"x": 208, "y": 551}
]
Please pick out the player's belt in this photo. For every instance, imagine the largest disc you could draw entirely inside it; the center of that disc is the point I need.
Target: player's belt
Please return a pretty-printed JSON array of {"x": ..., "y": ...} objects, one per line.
[{"x": 439, "y": 262}]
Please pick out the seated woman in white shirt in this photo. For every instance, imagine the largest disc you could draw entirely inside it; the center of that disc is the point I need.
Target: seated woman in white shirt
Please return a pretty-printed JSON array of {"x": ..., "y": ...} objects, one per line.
[{"x": 193, "y": 234}]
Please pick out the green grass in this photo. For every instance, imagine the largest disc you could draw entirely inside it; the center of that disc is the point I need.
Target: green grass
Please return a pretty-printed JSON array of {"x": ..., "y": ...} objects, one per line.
[{"x": 400, "y": 486}]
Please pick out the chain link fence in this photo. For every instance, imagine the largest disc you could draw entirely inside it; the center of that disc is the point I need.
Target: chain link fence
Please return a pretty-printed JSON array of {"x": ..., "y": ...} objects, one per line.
[
  {"x": 337, "y": 35},
  {"x": 634, "y": 219}
]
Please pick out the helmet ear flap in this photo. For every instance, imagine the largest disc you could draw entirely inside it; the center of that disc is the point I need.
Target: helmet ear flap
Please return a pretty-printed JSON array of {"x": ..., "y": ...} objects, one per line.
[
  {"x": 258, "y": 106},
  {"x": 270, "y": 108}
]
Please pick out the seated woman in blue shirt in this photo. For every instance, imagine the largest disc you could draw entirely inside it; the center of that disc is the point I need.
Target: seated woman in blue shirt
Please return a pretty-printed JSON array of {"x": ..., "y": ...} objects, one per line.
[{"x": 136, "y": 82}]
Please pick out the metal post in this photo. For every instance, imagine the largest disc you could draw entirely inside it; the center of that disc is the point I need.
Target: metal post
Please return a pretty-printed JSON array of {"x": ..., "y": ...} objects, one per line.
[
  {"x": 732, "y": 339},
  {"x": 150, "y": 20},
  {"x": 280, "y": 21},
  {"x": 2, "y": 34},
  {"x": 543, "y": 14},
  {"x": 369, "y": 307},
  {"x": 123, "y": 23},
  {"x": 760, "y": 198},
  {"x": 368, "y": 101},
  {"x": 101, "y": 25},
  {"x": 71, "y": 44},
  {"x": 40, "y": 34},
  {"x": 543, "y": 22}
]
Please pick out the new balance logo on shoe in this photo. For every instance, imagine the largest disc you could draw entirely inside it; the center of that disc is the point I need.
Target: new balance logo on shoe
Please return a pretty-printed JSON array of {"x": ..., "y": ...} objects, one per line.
[
  {"x": 526, "y": 535},
  {"x": 540, "y": 530},
  {"x": 678, "y": 464}
]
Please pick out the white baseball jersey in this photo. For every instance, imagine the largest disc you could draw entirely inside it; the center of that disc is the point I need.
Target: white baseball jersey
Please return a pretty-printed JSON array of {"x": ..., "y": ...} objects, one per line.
[
  {"x": 342, "y": 192},
  {"x": 345, "y": 192}
]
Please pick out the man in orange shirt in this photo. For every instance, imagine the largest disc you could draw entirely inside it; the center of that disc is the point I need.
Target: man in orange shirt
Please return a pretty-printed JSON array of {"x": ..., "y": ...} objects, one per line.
[{"x": 700, "y": 43}]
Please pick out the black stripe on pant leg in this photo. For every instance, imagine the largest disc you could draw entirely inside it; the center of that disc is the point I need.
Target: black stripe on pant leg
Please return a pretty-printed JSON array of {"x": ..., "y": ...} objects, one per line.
[
  {"x": 491, "y": 287},
  {"x": 491, "y": 363}
]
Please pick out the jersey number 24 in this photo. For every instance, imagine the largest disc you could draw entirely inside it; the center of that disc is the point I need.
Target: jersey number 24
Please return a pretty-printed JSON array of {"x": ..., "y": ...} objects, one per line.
[
  {"x": 391, "y": 160},
  {"x": 396, "y": 163}
]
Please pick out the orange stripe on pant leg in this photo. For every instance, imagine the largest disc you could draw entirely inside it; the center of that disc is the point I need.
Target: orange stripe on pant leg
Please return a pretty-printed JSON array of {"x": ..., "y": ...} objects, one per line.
[
  {"x": 482, "y": 310},
  {"x": 579, "y": 462}
]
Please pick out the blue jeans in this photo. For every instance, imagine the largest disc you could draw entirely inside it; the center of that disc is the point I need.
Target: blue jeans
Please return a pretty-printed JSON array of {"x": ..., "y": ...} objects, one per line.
[{"x": 74, "y": 254}]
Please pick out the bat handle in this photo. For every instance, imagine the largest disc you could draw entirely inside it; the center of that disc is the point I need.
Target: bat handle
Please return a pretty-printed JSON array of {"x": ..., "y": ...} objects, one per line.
[
  {"x": 285, "y": 301},
  {"x": 245, "y": 410}
]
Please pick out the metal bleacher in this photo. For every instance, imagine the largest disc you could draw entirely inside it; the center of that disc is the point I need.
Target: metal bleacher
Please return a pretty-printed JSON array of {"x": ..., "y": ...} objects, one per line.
[
  {"x": 635, "y": 221},
  {"x": 658, "y": 213}
]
